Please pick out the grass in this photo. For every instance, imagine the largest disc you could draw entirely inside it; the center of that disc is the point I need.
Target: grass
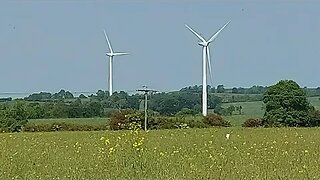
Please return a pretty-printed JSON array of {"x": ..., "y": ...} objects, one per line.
[
  {"x": 238, "y": 120},
  {"x": 315, "y": 101},
  {"x": 256, "y": 110},
  {"x": 230, "y": 97},
  {"x": 277, "y": 153},
  {"x": 249, "y": 110}
]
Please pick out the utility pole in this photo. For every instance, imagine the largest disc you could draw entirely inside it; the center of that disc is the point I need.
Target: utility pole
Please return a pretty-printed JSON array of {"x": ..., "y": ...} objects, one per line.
[{"x": 146, "y": 91}]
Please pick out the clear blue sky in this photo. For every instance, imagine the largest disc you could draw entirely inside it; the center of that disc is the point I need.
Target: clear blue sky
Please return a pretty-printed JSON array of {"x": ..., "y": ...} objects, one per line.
[{"x": 49, "y": 45}]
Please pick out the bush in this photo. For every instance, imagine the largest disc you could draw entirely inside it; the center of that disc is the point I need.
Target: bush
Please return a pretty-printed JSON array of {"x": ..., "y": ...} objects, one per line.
[
  {"x": 314, "y": 118},
  {"x": 163, "y": 122},
  {"x": 121, "y": 120},
  {"x": 12, "y": 125},
  {"x": 252, "y": 123},
  {"x": 215, "y": 120}
]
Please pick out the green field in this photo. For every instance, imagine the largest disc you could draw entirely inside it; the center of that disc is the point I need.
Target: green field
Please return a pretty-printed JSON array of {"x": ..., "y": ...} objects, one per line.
[
  {"x": 256, "y": 110},
  {"x": 262, "y": 153},
  {"x": 315, "y": 101}
]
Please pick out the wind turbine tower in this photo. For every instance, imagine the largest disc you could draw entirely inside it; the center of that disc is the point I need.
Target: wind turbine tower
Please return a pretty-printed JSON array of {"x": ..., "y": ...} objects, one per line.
[
  {"x": 206, "y": 60},
  {"x": 111, "y": 54}
]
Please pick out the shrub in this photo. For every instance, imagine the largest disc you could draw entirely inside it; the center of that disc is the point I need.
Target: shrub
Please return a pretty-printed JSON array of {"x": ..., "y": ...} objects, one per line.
[
  {"x": 162, "y": 122},
  {"x": 12, "y": 125},
  {"x": 215, "y": 120},
  {"x": 252, "y": 123},
  {"x": 314, "y": 118},
  {"x": 122, "y": 119}
]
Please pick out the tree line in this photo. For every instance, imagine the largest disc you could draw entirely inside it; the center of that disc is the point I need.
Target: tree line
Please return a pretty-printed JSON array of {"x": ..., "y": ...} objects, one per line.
[{"x": 286, "y": 105}]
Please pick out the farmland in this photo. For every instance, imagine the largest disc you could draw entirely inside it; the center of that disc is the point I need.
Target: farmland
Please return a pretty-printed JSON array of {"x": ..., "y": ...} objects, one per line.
[
  {"x": 249, "y": 153},
  {"x": 253, "y": 109},
  {"x": 261, "y": 153}
]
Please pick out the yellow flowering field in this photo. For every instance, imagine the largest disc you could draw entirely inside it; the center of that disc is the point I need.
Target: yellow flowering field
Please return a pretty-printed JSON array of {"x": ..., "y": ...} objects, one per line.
[{"x": 214, "y": 153}]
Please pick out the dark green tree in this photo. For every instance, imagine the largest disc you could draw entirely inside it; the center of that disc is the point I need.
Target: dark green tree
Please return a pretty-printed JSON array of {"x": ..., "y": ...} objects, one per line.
[
  {"x": 13, "y": 118},
  {"x": 82, "y": 96},
  {"x": 234, "y": 90},
  {"x": 220, "y": 88},
  {"x": 286, "y": 105},
  {"x": 62, "y": 94}
]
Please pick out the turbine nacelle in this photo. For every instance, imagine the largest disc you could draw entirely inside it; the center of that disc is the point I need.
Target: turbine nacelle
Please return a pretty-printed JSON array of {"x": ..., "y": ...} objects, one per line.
[
  {"x": 116, "y": 54},
  {"x": 110, "y": 54},
  {"x": 204, "y": 43}
]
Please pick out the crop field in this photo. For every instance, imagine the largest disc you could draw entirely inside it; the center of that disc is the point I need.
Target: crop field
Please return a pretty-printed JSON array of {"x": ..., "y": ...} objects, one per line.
[{"x": 261, "y": 153}]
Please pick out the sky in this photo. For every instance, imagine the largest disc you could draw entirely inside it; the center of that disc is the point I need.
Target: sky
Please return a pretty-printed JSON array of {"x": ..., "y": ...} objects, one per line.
[{"x": 52, "y": 45}]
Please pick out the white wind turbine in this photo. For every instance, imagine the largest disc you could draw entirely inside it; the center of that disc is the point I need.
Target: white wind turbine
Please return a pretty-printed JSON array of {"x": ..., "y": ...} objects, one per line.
[
  {"x": 111, "y": 54},
  {"x": 206, "y": 59}
]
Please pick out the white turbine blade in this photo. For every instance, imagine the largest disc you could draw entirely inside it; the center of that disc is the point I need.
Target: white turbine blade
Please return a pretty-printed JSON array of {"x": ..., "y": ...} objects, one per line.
[
  {"x": 195, "y": 33},
  {"x": 120, "y": 54},
  {"x": 107, "y": 39},
  {"x": 216, "y": 34},
  {"x": 209, "y": 64}
]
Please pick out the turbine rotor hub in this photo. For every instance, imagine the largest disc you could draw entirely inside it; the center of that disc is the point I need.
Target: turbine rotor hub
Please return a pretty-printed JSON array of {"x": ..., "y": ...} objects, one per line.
[
  {"x": 110, "y": 54},
  {"x": 204, "y": 44}
]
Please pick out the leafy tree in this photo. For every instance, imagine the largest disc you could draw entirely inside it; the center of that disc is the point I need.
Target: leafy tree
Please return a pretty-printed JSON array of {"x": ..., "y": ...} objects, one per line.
[
  {"x": 220, "y": 89},
  {"x": 62, "y": 94},
  {"x": 193, "y": 89},
  {"x": 68, "y": 95},
  {"x": 229, "y": 110},
  {"x": 134, "y": 101},
  {"x": 213, "y": 101},
  {"x": 35, "y": 111},
  {"x": 59, "y": 110},
  {"x": 173, "y": 102},
  {"x": 38, "y": 96},
  {"x": 5, "y": 99},
  {"x": 286, "y": 105},
  {"x": 82, "y": 96},
  {"x": 234, "y": 90},
  {"x": 314, "y": 118},
  {"x": 13, "y": 118},
  {"x": 256, "y": 90},
  {"x": 102, "y": 95},
  {"x": 186, "y": 112}
]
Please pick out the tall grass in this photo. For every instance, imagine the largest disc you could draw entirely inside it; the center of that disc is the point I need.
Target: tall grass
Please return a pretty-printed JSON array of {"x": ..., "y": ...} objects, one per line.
[{"x": 278, "y": 153}]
